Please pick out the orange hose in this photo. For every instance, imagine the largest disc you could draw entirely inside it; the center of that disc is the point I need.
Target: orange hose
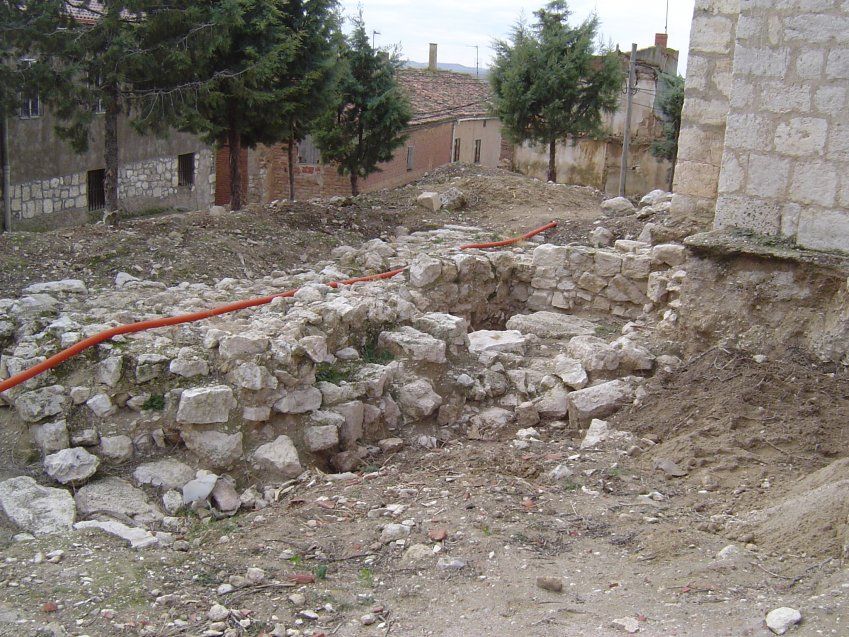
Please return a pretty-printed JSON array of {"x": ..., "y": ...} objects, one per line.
[
  {"x": 141, "y": 326},
  {"x": 507, "y": 242}
]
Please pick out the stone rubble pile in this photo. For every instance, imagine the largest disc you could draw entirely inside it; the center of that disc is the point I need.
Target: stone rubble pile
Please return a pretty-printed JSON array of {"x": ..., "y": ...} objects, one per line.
[{"x": 470, "y": 342}]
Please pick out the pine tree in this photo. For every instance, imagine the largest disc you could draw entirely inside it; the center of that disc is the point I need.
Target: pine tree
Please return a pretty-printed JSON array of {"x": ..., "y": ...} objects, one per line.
[
  {"x": 258, "y": 77},
  {"x": 366, "y": 123},
  {"x": 671, "y": 102},
  {"x": 548, "y": 84}
]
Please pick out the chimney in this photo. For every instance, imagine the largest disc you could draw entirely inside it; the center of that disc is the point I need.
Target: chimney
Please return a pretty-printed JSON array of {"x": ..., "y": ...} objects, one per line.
[
  {"x": 431, "y": 64},
  {"x": 661, "y": 40}
]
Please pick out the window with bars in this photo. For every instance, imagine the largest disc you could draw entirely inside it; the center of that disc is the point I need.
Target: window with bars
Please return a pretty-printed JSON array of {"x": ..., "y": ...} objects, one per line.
[
  {"x": 410, "y": 158},
  {"x": 477, "y": 151},
  {"x": 457, "y": 149},
  {"x": 30, "y": 104},
  {"x": 96, "y": 189},
  {"x": 186, "y": 170}
]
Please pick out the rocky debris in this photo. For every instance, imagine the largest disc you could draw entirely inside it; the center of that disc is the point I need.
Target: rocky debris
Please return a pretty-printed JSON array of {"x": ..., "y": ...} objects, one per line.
[
  {"x": 430, "y": 201},
  {"x": 41, "y": 403},
  {"x": 551, "y": 584},
  {"x": 101, "y": 405},
  {"x": 51, "y": 437},
  {"x": 215, "y": 448},
  {"x": 600, "y": 400},
  {"x": 225, "y": 498},
  {"x": 205, "y": 405},
  {"x": 551, "y": 325},
  {"x": 200, "y": 488},
  {"x": 116, "y": 449},
  {"x": 109, "y": 371},
  {"x": 601, "y": 237},
  {"x": 598, "y": 432},
  {"x": 570, "y": 371},
  {"x": 279, "y": 458},
  {"x": 780, "y": 620},
  {"x": 418, "y": 400},
  {"x": 114, "y": 495},
  {"x": 167, "y": 473},
  {"x": 453, "y": 199},
  {"x": 594, "y": 354},
  {"x": 65, "y": 286},
  {"x": 393, "y": 532},
  {"x": 554, "y": 403},
  {"x": 424, "y": 271},
  {"x": 71, "y": 466},
  {"x": 484, "y": 341},
  {"x": 655, "y": 197},
  {"x": 669, "y": 467},
  {"x": 411, "y": 343},
  {"x": 138, "y": 538},
  {"x": 626, "y": 624},
  {"x": 36, "y": 509},
  {"x": 618, "y": 207}
]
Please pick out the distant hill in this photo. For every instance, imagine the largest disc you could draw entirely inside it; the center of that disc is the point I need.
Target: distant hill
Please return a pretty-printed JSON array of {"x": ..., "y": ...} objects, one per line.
[{"x": 457, "y": 68}]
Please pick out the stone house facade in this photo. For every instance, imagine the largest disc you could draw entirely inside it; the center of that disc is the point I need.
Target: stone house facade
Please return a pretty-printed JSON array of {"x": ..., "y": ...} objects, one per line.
[
  {"x": 596, "y": 162},
  {"x": 764, "y": 144}
]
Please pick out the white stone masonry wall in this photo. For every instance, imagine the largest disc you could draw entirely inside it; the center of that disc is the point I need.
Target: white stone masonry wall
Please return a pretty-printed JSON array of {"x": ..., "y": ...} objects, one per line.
[
  {"x": 706, "y": 103},
  {"x": 785, "y": 168},
  {"x": 151, "y": 179}
]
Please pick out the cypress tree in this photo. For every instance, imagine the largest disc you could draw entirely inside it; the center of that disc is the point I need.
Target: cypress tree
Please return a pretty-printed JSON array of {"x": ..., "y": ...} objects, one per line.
[
  {"x": 370, "y": 112},
  {"x": 548, "y": 84}
]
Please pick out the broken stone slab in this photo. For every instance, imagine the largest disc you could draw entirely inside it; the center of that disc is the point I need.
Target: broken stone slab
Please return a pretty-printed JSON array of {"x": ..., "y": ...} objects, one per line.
[
  {"x": 65, "y": 286},
  {"x": 36, "y": 509},
  {"x": 205, "y": 405},
  {"x": 34, "y": 305},
  {"x": 598, "y": 432},
  {"x": 418, "y": 400},
  {"x": 50, "y": 437},
  {"x": 168, "y": 473},
  {"x": 114, "y": 495},
  {"x": 39, "y": 404},
  {"x": 224, "y": 496},
  {"x": 101, "y": 405},
  {"x": 430, "y": 201},
  {"x": 108, "y": 371},
  {"x": 617, "y": 207},
  {"x": 199, "y": 488},
  {"x": 595, "y": 354},
  {"x": 137, "y": 538},
  {"x": 424, "y": 271},
  {"x": 116, "y": 449},
  {"x": 71, "y": 466},
  {"x": 570, "y": 371},
  {"x": 215, "y": 448},
  {"x": 622, "y": 290},
  {"x": 189, "y": 367},
  {"x": 410, "y": 343},
  {"x": 670, "y": 254},
  {"x": 446, "y": 327},
  {"x": 321, "y": 438},
  {"x": 633, "y": 357},
  {"x": 551, "y": 325},
  {"x": 655, "y": 197},
  {"x": 242, "y": 346},
  {"x": 299, "y": 401},
  {"x": 599, "y": 401},
  {"x": 486, "y": 341},
  {"x": 554, "y": 403},
  {"x": 253, "y": 377},
  {"x": 279, "y": 458}
]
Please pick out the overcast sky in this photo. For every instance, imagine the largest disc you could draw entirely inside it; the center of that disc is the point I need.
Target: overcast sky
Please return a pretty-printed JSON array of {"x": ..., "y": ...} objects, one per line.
[{"x": 456, "y": 25}]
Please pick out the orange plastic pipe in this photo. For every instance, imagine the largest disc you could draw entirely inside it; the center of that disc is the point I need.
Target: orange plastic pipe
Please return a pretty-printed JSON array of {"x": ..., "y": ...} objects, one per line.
[
  {"x": 141, "y": 326},
  {"x": 507, "y": 242}
]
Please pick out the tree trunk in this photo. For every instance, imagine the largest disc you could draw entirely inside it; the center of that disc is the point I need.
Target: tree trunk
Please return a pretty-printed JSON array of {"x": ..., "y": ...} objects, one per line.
[
  {"x": 234, "y": 141},
  {"x": 291, "y": 151},
  {"x": 110, "y": 153},
  {"x": 355, "y": 184},
  {"x": 552, "y": 160}
]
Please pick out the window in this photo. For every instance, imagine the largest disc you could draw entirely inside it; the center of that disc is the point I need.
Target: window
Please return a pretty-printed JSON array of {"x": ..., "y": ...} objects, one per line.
[
  {"x": 30, "y": 104},
  {"x": 477, "y": 151},
  {"x": 457, "y": 149},
  {"x": 308, "y": 153},
  {"x": 186, "y": 170},
  {"x": 410, "y": 162},
  {"x": 96, "y": 189}
]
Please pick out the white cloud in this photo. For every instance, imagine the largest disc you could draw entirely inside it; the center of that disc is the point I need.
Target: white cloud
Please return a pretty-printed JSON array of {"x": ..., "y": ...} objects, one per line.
[{"x": 458, "y": 25}]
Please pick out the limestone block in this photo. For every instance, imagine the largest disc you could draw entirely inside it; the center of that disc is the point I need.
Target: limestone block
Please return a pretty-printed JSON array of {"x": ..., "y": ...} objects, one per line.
[
  {"x": 165, "y": 474},
  {"x": 814, "y": 182},
  {"x": 51, "y": 437},
  {"x": 41, "y": 403},
  {"x": 570, "y": 371},
  {"x": 71, "y": 466},
  {"x": 497, "y": 341},
  {"x": 118, "y": 496},
  {"x": 622, "y": 289},
  {"x": 618, "y": 206},
  {"x": 761, "y": 216},
  {"x": 599, "y": 401},
  {"x": 801, "y": 136},
  {"x": 108, "y": 371},
  {"x": 636, "y": 266},
  {"x": 768, "y": 175},
  {"x": 36, "y": 509},
  {"x": 607, "y": 264},
  {"x": 116, "y": 449},
  {"x": 418, "y": 400},
  {"x": 409, "y": 342},
  {"x": 205, "y": 405},
  {"x": 299, "y": 401},
  {"x": 823, "y": 229},
  {"x": 446, "y": 327},
  {"x": 424, "y": 271},
  {"x": 242, "y": 345},
  {"x": 550, "y": 325},
  {"x": 321, "y": 438},
  {"x": 592, "y": 282},
  {"x": 429, "y": 201},
  {"x": 215, "y": 448},
  {"x": 554, "y": 403},
  {"x": 551, "y": 256},
  {"x": 594, "y": 353}
]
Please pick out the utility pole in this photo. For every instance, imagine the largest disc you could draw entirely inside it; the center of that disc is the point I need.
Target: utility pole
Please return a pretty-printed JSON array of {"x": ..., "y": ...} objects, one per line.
[
  {"x": 7, "y": 171},
  {"x": 477, "y": 59},
  {"x": 373, "y": 34},
  {"x": 626, "y": 139}
]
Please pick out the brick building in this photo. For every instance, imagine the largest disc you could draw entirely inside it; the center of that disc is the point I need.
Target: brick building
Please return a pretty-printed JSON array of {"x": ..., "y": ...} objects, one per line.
[
  {"x": 449, "y": 123},
  {"x": 764, "y": 144}
]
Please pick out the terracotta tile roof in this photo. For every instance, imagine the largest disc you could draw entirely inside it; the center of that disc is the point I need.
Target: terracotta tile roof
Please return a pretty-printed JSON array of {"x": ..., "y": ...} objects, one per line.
[
  {"x": 441, "y": 95},
  {"x": 85, "y": 11}
]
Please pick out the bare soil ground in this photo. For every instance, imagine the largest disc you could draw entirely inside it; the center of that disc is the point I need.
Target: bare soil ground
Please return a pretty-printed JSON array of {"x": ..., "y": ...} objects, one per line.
[{"x": 624, "y": 538}]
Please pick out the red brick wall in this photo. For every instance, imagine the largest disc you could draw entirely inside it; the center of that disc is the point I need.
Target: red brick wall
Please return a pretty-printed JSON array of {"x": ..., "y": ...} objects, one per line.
[
  {"x": 432, "y": 149},
  {"x": 222, "y": 175}
]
